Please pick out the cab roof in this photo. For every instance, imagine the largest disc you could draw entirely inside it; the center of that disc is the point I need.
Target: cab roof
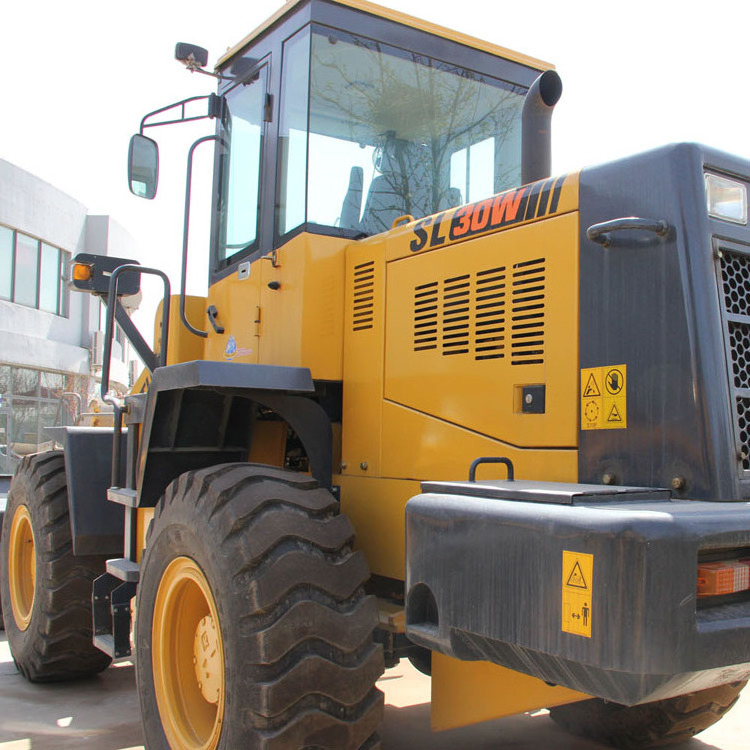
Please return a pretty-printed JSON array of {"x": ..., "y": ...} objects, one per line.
[{"x": 392, "y": 15}]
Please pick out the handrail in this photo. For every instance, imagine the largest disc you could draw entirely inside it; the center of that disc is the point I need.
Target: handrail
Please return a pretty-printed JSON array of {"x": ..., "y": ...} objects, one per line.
[
  {"x": 490, "y": 460},
  {"x": 602, "y": 233},
  {"x": 118, "y": 405},
  {"x": 185, "y": 234}
]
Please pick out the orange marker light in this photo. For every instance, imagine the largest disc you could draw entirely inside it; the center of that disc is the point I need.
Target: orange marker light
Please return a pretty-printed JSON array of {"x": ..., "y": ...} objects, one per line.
[
  {"x": 718, "y": 578},
  {"x": 81, "y": 272}
]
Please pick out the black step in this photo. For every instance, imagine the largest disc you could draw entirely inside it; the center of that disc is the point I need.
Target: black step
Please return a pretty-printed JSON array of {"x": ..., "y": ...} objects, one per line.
[
  {"x": 124, "y": 569},
  {"x": 112, "y": 613},
  {"x": 123, "y": 495}
]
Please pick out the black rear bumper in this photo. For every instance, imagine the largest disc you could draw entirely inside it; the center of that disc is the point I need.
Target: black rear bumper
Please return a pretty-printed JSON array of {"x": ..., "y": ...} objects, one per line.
[{"x": 493, "y": 579}]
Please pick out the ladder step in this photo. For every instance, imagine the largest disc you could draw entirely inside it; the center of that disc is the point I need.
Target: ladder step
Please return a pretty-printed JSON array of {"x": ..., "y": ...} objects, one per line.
[
  {"x": 124, "y": 569},
  {"x": 105, "y": 643},
  {"x": 123, "y": 495}
]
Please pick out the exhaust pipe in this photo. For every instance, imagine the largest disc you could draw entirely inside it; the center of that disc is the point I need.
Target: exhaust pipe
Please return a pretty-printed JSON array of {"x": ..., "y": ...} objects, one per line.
[{"x": 536, "y": 135}]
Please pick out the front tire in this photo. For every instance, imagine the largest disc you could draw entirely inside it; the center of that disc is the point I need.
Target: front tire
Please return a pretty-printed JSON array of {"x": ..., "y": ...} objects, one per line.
[
  {"x": 655, "y": 724},
  {"x": 253, "y": 629},
  {"x": 46, "y": 589}
]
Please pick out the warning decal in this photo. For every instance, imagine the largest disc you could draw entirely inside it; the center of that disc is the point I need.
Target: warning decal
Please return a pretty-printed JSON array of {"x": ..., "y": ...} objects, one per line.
[
  {"x": 604, "y": 398},
  {"x": 577, "y": 592},
  {"x": 592, "y": 387},
  {"x": 576, "y": 578}
]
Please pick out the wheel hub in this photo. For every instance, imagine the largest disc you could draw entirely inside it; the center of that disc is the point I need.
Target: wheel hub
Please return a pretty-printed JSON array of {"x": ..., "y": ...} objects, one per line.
[
  {"x": 188, "y": 658},
  {"x": 206, "y": 659},
  {"x": 22, "y": 567}
]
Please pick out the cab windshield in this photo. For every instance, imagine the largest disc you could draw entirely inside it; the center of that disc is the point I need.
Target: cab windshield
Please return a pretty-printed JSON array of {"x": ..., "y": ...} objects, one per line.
[{"x": 370, "y": 132}]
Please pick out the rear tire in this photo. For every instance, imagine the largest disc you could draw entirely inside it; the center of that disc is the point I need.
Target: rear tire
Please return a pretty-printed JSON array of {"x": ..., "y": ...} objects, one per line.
[
  {"x": 654, "y": 724},
  {"x": 46, "y": 590},
  {"x": 253, "y": 629},
  {"x": 2, "y": 625}
]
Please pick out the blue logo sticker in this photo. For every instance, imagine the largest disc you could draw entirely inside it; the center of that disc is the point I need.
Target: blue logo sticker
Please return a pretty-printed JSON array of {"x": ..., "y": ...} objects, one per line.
[{"x": 231, "y": 348}]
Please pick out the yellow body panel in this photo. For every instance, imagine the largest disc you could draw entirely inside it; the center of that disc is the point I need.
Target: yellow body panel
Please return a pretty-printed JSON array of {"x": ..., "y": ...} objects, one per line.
[
  {"x": 302, "y": 321},
  {"x": 364, "y": 338},
  {"x": 237, "y": 299},
  {"x": 518, "y": 207},
  {"x": 269, "y": 443},
  {"x": 418, "y": 446},
  {"x": 413, "y": 408},
  {"x": 467, "y": 692},
  {"x": 143, "y": 521},
  {"x": 182, "y": 346},
  {"x": 376, "y": 509},
  {"x": 299, "y": 323},
  {"x": 489, "y": 305}
]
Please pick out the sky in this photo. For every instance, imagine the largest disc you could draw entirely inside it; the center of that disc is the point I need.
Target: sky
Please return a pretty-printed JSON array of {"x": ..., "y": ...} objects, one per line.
[{"x": 77, "y": 77}]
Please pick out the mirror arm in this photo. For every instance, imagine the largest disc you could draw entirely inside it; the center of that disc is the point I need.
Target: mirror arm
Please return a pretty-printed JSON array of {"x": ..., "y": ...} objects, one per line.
[
  {"x": 185, "y": 235},
  {"x": 215, "y": 106},
  {"x": 143, "y": 350}
]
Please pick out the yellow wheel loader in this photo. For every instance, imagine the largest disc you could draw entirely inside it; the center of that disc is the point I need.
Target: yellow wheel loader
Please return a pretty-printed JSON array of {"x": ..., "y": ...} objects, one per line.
[{"x": 438, "y": 405}]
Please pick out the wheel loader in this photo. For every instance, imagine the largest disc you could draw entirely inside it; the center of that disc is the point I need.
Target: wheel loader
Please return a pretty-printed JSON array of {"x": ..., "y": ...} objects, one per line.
[{"x": 438, "y": 404}]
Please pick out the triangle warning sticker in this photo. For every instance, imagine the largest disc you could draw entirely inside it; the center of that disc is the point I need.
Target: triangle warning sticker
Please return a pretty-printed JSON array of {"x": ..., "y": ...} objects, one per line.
[
  {"x": 576, "y": 578},
  {"x": 614, "y": 414},
  {"x": 591, "y": 389}
]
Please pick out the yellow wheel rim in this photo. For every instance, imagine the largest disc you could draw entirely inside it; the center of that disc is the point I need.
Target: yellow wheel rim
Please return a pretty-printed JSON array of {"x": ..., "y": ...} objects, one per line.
[
  {"x": 188, "y": 658},
  {"x": 21, "y": 567}
]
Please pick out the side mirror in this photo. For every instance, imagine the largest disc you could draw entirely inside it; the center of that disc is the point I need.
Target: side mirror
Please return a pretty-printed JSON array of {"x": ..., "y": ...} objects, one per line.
[{"x": 143, "y": 166}]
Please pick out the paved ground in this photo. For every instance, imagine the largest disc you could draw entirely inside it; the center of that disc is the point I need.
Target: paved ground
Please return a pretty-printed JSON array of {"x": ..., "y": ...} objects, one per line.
[{"x": 102, "y": 714}]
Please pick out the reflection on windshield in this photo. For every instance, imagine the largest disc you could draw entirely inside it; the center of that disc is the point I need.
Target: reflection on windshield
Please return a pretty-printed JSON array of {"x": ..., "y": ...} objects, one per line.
[{"x": 393, "y": 133}]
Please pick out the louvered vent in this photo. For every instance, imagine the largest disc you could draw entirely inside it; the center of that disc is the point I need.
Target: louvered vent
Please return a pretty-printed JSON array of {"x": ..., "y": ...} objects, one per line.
[
  {"x": 489, "y": 314},
  {"x": 455, "y": 310},
  {"x": 527, "y": 313},
  {"x": 364, "y": 296},
  {"x": 467, "y": 314},
  {"x": 426, "y": 317}
]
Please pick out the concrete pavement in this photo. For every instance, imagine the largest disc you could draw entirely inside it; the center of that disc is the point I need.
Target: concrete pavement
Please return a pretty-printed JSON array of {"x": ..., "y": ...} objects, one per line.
[{"x": 102, "y": 713}]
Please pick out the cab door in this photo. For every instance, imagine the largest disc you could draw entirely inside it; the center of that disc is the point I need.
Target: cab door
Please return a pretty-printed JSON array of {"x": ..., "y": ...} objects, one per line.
[{"x": 235, "y": 291}]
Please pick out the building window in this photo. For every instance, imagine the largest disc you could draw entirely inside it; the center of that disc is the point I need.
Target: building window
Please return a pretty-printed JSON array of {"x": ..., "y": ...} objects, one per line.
[
  {"x": 30, "y": 401},
  {"x": 33, "y": 273},
  {"x": 6, "y": 262}
]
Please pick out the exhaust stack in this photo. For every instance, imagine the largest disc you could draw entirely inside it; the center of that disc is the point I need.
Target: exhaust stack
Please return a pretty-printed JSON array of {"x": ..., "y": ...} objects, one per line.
[{"x": 536, "y": 135}]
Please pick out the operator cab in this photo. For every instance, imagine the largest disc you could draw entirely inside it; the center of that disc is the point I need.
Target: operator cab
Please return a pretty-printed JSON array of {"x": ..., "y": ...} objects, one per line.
[{"x": 349, "y": 132}]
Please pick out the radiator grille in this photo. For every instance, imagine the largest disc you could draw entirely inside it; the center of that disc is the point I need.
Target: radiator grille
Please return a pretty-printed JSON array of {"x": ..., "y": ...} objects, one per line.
[
  {"x": 364, "y": 296},
  {"x": 735, "y": 290},
  {"x": 467, "y": 315}
]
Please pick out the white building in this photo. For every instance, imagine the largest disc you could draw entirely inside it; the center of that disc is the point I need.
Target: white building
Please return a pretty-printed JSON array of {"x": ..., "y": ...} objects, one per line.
[{"x": 49, "y": 340}]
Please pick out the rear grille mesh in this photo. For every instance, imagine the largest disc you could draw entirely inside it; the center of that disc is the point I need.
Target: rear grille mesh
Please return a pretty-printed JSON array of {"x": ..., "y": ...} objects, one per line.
[
  {"x": 735, "y": 290},
  {"x": 739, "y": 341},
  {"x": 735, "y": 272},
  {"x": 743, "y": 425}
]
